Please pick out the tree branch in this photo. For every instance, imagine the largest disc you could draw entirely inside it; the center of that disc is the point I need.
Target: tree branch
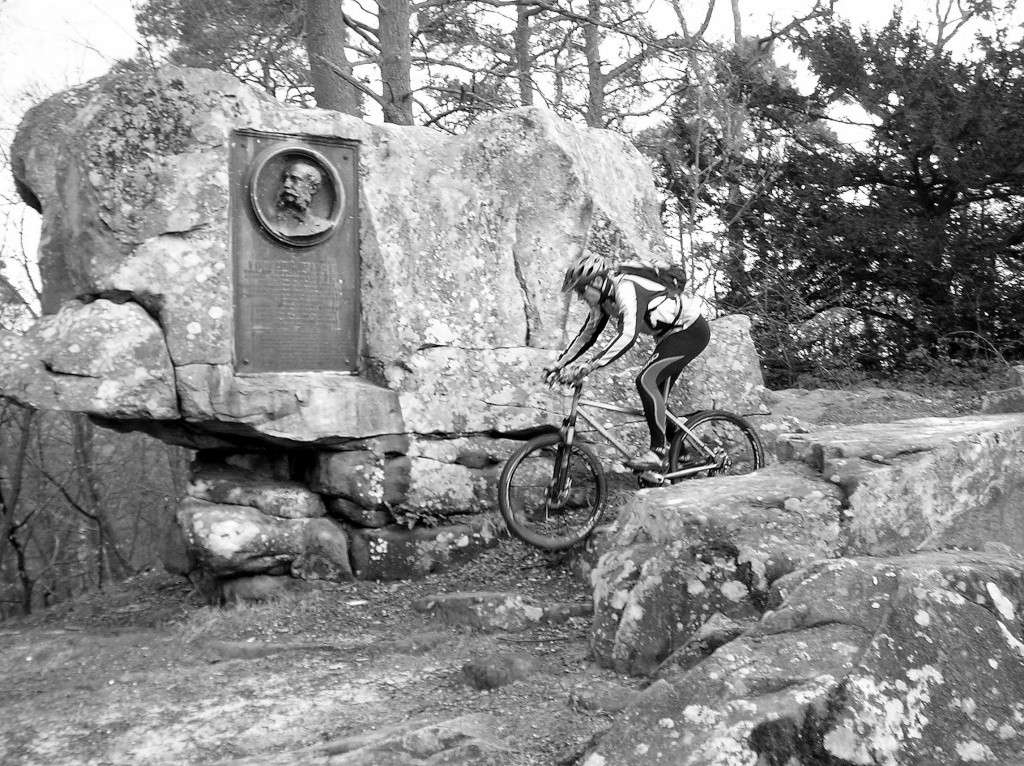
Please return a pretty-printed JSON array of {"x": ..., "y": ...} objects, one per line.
[{"x": 353, "y": 81}]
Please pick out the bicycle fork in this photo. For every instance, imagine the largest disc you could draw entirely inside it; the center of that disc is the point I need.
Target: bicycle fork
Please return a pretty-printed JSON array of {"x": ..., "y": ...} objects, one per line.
[{"x": 561, "y": 483}]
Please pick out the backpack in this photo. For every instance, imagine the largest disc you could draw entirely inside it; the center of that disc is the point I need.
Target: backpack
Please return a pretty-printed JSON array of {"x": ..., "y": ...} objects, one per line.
[{"x": 672, "y": 276}]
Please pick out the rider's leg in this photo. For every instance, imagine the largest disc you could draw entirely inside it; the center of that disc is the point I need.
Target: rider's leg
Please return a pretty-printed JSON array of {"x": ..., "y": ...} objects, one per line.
[{"x": 672, "y": 353}]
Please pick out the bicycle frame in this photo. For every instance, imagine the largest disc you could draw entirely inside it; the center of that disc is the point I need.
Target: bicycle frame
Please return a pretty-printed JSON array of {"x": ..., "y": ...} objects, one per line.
[{"x": 578, "y": 408}]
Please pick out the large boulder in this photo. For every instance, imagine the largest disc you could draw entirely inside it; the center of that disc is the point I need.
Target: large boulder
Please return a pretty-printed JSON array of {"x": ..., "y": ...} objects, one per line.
[
  {"x": 236, "y": 486},
  {"x": 92, "y": 357},
  {"x": 462, "y": 244},
  {"x": 230, "y": 540},
  {"x": 399, "y": 553}
]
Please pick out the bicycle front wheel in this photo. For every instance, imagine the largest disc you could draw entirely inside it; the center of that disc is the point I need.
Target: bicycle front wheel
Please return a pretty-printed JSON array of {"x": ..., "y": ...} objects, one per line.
[
  {"x": 551, "y": 495},
  {"x": 724, "y": 442}
]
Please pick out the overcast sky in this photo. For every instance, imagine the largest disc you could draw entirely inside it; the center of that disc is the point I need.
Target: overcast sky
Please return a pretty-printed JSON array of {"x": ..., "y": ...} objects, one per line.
[{"x": 50, "y": 44}]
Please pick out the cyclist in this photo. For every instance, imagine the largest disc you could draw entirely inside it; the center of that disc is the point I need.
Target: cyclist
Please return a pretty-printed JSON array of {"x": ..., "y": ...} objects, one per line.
[{"x": 640, "y": 305}]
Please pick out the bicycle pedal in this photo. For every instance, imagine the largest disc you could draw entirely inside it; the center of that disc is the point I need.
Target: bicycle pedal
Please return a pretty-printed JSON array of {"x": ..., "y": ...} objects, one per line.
[{"x": 650, "y": 479}]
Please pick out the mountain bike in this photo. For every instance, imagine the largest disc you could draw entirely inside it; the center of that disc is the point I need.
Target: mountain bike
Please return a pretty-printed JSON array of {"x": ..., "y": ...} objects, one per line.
[{"x": 553, "y": 489}]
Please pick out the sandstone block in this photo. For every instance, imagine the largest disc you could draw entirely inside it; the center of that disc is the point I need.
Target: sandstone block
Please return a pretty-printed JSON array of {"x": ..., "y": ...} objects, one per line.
[
  {"x": 325, "y": 553},
  {"x": 364, "y": 477},
  {"x": 442, "y": 488},
  {"x": 352, "y": 512},
  {"x": 104, "y": 358},
  {"x": 235, "y": 539},
  {"x": 649, "y": 600},
  {"x": 232, "y": 486},
  {"x": 325, "y": 408}
]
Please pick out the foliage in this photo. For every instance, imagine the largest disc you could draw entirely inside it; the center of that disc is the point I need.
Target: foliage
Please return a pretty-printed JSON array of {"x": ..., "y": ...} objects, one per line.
[
  {"x": 720, "y": 151},
  {"x": 258, "y": 41},
  {"x": 913, "y": 239}
]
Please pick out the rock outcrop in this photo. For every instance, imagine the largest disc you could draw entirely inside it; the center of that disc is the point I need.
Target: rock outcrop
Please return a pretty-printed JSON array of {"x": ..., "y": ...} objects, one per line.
[
  {"x": 908, "y": 661},
  {"x": 856, "y": 602},
  {"x": 681, "y": 554},
  {"x": 685, "y": 553}
]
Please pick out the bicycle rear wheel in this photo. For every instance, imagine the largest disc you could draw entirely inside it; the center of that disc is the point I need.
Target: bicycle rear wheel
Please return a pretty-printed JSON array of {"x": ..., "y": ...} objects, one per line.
[
  {"x": 722, "y": 438},
  {"x": 551, "y": 495}
]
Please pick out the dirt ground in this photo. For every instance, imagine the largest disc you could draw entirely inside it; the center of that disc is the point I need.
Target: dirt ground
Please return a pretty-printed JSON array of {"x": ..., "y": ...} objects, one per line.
[{"x": 146, "y": 673}]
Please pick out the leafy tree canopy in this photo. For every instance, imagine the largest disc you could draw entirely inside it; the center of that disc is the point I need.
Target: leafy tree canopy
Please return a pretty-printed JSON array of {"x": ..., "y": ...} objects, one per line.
[{"x": 919, "y": 230}]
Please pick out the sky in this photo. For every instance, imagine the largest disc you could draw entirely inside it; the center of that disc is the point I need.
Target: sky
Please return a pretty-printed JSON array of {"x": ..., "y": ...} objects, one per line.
[
  {"x": 51, "y": 44},
  {"x": 47, "y": 46}
]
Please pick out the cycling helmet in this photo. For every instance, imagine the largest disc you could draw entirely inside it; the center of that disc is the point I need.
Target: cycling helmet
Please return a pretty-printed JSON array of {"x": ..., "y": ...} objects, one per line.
[{"x": 584, "y": 268}]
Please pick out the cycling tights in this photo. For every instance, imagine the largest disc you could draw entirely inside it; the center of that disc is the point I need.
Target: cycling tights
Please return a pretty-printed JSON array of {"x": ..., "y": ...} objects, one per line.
[{"x": 672, "y": 353}]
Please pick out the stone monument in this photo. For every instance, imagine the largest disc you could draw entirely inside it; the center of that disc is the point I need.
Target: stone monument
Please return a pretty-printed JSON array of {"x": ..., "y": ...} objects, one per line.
[{"x": 346, "y": 321}]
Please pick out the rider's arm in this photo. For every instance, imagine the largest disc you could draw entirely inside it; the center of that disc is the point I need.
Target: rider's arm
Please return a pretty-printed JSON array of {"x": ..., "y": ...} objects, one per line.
[
  {"x": 629, "y": 324},
  {"x": 585, "y": 338}
]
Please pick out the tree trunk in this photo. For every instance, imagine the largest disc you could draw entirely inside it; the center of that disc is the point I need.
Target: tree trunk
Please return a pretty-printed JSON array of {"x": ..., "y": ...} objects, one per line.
[
  {"x": 326, "y": 35},
  {"x": 737, "y": 24},
  {"x": 523, "y": 60},
  {"x": 733, "y": 127},
  {"x": 11, "y": 478},
  {"x": 110, "y": 561},
  {"x": 395, "y": 60},
  {"x": 27, "y": 583},
  {"x": 595, "y": 77}
]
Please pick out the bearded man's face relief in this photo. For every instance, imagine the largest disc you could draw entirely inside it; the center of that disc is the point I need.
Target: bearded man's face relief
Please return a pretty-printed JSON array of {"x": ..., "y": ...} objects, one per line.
[{"x": 299, "y": 183}]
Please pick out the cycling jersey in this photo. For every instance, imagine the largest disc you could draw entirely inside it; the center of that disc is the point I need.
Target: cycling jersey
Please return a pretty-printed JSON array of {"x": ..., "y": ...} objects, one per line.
[{"x": 641, "y": 306}]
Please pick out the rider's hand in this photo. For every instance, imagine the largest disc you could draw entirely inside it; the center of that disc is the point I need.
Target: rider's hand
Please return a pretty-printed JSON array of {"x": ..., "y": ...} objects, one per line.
[
  {"x": 582, "y": 371},
  {"x": 551, "y": 375},
  {"x": 570, "y": 376}
]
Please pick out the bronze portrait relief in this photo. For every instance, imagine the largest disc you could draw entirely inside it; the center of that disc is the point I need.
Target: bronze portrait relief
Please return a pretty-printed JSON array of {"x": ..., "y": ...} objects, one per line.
[{"x": 296, "y": 195}]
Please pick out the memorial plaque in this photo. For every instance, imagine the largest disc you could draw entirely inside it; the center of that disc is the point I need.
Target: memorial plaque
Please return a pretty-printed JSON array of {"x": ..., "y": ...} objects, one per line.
[{"x": 295, "y": 246}]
